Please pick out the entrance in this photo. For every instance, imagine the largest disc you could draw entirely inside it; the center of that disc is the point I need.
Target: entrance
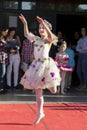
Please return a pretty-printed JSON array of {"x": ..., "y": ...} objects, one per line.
[{"x": 68, "y": 24}]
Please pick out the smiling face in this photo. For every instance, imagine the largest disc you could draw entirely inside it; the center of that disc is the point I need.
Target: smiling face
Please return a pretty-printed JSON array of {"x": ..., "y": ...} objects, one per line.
[
  {"x": 63, "y": 47},
  {"x": 42, "y": 31}
]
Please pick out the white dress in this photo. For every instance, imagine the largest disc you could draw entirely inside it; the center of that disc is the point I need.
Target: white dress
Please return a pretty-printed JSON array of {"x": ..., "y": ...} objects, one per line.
[{"x": 43, "y": 72}]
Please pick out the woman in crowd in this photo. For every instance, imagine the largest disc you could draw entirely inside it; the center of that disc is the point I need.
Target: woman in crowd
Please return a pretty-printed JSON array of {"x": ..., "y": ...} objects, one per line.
[
  {"x": 3, "y": 59},
  {"x": 13, "y": 44}
]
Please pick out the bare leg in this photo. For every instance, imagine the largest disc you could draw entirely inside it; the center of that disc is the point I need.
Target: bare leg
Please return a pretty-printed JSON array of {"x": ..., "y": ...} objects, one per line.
[
  {"x": 63, "y": 74},
  {"x": 40, "y": 102},
  {"x": 53, "y": 89}
]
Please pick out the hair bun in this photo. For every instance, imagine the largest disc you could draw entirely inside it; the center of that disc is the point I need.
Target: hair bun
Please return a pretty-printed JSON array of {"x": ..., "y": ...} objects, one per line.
[{"x": 48, "y": 24}]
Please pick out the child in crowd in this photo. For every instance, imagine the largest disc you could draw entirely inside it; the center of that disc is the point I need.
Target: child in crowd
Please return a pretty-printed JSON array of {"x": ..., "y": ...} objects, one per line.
[{"x": 61, "y": 60}]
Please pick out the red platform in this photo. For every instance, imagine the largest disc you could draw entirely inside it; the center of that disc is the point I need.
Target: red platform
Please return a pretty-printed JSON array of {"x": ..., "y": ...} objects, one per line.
[{"x": 58, "y": 117}]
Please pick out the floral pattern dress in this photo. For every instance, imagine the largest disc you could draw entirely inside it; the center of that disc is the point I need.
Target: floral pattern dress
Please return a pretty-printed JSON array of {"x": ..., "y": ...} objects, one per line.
[{"x": 43, "y": 72}]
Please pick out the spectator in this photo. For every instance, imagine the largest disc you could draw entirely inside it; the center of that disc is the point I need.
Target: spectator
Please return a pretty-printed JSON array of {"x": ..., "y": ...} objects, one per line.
[
  {"x": 61, "y": 60},
  {"x": 3, "y": 59},
  {"x": 70, "y": 65},
  {"x": 14, "y": 58},
  {"x": 27, "y": 54},
  {"x": 81, "y": 48}
]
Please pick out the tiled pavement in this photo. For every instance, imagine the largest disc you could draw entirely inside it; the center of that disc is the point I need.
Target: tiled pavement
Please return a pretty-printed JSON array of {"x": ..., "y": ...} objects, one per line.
[{"x": 27, "y": 96}]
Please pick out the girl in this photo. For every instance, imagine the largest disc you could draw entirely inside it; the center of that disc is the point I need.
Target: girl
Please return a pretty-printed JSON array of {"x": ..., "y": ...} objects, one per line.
[
  {"x": 62, "y": 59},
  {"x": 43, "y": 72}
]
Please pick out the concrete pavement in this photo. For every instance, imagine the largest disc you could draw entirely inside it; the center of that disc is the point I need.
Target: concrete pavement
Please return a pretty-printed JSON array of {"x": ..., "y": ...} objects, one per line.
[{"x": 27, "y": 96}]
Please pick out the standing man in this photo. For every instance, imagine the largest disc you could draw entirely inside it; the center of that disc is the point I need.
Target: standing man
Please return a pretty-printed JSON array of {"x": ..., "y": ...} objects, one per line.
[{"x": 82, "y": 58}]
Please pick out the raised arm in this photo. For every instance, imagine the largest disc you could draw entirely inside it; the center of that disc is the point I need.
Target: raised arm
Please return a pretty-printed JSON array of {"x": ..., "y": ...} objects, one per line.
[
  {"x": 24, "y": 21},
  {"x": 27, "y": 34},
  {"x": 47, "y": 27}
]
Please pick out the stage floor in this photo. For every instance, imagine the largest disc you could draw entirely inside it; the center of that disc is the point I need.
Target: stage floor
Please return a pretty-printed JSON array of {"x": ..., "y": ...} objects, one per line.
[{"x": 59, "y": 116}]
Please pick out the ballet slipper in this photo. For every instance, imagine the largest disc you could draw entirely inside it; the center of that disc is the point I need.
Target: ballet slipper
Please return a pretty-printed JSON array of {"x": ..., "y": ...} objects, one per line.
[{"x": 39, "y": 118}]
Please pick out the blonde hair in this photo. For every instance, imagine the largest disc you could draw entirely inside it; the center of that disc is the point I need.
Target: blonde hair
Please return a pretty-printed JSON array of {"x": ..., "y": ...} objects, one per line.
[
  {"x": 64, "y": 42},
  {"x": 48, "y": 24},
  {"x": 55, "y": 38}
]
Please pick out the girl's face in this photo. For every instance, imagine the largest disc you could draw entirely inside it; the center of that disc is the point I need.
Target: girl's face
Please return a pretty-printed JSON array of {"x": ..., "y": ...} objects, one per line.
[
  {"x": 63, "y": 47},
  {"x": 42, "y": 31}
]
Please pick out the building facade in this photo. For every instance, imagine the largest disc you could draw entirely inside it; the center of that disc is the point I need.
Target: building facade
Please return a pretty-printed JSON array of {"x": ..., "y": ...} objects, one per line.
[{"x": 65, "y": 15}]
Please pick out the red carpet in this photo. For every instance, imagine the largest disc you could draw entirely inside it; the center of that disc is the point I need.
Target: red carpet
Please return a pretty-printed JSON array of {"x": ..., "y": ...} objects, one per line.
[{"x": 58, "y": 117}]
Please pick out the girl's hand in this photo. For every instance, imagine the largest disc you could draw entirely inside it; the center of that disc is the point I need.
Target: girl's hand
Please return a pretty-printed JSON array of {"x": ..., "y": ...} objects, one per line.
[
  {"x": 40, "y": 20},
  {"x": 22, "y": 18},
  {"x": 13, "y": 50}
]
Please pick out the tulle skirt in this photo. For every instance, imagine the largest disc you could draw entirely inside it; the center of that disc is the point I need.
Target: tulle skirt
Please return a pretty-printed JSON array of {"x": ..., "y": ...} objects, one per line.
[{"x": 41, "y": 74}]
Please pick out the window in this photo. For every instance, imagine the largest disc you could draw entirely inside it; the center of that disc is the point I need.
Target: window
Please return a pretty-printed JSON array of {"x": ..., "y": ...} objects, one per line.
[
  {"x": 81, "y": 7},
  {"x": 64, "y": 7},
  {"x": 28, "y": 5},
  {"x": 10, "y": 4},
  {"x": 46, "y": 5},
  {"x": 71, "y": 5}
]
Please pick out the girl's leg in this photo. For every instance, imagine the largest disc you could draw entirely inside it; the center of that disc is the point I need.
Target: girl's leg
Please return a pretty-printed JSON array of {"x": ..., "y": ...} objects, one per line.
[
  {"x": 63, "y": 74},
  {"x": 9, "y": 72},
  {"x": 40, "y": 102},
  {"x": 53, "y": 90}
]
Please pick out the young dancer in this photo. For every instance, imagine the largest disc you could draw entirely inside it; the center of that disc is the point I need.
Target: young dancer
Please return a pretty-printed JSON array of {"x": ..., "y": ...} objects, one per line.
[{"x": 43, "y": 72}]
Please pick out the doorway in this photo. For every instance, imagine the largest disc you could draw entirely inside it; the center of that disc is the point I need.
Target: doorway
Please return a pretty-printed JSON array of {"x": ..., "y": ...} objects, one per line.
[{"x": 68, "y": 24}]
